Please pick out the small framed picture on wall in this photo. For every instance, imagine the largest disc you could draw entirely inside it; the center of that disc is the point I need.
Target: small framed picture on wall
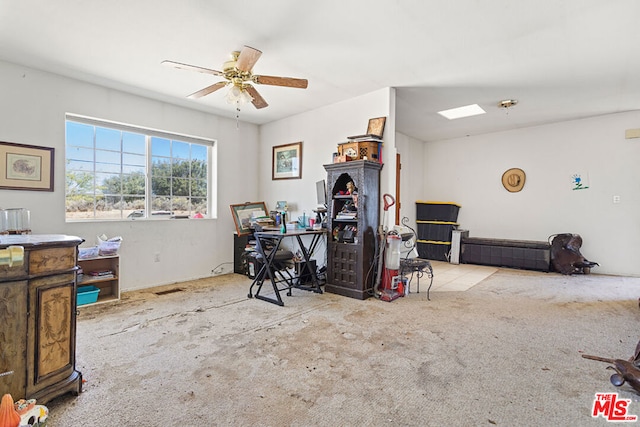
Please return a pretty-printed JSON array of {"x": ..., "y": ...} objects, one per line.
[
  {"x": 287, "y": 161},
  {"x": 26, "y": 167}
]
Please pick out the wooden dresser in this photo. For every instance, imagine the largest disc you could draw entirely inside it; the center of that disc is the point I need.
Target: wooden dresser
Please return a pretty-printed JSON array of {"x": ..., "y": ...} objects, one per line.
[{"x": 38, "y": 318}]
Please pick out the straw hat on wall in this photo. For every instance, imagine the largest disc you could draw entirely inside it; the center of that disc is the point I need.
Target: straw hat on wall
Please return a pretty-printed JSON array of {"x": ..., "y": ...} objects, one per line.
[{"x": 513, "y": 180}]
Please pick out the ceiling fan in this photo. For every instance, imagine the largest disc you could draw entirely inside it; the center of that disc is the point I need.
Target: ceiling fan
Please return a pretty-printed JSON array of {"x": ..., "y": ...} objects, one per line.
[{"x": 237, "y": 72}]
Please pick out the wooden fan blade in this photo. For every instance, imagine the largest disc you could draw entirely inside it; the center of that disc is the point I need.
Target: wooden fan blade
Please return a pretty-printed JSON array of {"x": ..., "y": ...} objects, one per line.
[
  {"x": 281, "y": 81},
  {"x": 192, "y": 68},
  {"x": 258, "y": 101},
  {"x": 207, "y": 90},
  {"x": 247, "y": 58}
]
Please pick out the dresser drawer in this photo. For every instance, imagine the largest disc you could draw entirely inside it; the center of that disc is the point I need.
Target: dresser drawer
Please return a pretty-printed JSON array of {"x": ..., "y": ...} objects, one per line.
[
  {"x": 11, "y": 273},
  {"x": 52, "y": 260}
]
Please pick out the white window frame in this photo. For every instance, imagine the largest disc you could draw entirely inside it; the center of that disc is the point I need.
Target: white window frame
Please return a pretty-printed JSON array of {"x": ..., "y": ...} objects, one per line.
[{"x": 149, "y": 133}]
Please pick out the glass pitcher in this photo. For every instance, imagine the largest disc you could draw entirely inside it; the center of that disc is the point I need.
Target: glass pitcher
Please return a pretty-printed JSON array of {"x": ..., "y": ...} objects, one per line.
[{"x": 3, "y": 222}]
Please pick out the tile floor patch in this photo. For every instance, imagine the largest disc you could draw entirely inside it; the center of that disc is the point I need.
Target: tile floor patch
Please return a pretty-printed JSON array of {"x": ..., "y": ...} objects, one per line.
[{"x": 458, "y": 277}]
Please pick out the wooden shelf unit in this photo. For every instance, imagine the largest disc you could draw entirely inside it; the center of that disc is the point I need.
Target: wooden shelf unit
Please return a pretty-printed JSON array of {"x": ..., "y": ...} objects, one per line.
[
  {"x": 349, "y": 261},
  {"x": 110, "y": 286}
]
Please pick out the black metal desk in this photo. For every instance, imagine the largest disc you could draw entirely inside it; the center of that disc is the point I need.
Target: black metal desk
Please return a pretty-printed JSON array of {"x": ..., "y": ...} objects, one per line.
[{"x": 275, "y": 238}]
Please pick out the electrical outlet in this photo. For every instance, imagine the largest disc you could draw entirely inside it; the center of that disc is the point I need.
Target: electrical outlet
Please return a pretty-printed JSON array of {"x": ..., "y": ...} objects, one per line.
[
  {"x": 156, "y": 257},
  {"x": 616, "y": 199}
]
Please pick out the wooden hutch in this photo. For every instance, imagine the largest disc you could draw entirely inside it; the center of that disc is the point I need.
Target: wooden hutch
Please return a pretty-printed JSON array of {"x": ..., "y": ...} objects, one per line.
[{"x": 352, "y": 220}]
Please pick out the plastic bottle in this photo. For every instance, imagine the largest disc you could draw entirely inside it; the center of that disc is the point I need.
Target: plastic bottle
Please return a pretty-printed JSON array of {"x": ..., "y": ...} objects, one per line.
[{"x": 283, "y": 223}]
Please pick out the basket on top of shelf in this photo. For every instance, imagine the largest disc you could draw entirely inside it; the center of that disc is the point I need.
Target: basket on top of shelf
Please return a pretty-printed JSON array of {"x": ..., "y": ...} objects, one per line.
[
  {"x": 437, "y": 211},
  {"x": 102, "y": 249},
  {"x": 108, "y": 247},
  {"x": 88, "y": 253}
]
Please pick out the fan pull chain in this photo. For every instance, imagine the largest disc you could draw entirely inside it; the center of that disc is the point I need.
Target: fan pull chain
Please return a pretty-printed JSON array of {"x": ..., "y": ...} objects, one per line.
[{"x": 237, "y": 115}]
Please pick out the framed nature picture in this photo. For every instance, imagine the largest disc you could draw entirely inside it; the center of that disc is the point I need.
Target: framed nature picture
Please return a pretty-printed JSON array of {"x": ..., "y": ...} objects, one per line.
[
  {"x": 244, "y": 212},
  {"x": 26, "y": 167},
  {"x": 287, "y": 161}
]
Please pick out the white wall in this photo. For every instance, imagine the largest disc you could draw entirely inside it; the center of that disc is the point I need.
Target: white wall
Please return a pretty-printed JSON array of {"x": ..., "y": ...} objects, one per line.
[
  {"x": 411, "y": 153},
  {"x": 321, "y": 131},
  {"x": 32, "y": 112},
  {"x": 468, "y": 171}
]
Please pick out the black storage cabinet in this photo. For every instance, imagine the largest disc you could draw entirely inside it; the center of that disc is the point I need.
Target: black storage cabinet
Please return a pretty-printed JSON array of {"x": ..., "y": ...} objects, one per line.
[{"x": 350, "y": 261}]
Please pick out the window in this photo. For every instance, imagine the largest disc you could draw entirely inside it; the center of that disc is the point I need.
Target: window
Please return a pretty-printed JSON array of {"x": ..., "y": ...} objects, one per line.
[{"x": 116, "y": 171}]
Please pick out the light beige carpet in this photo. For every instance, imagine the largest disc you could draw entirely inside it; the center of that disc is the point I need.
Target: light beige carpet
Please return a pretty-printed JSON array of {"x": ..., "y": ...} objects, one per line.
[{"x": 507, "y": 351}]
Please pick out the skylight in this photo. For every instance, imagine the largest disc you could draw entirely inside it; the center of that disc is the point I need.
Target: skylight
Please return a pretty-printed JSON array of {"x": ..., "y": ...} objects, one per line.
[{"x": 460, "y": 112}]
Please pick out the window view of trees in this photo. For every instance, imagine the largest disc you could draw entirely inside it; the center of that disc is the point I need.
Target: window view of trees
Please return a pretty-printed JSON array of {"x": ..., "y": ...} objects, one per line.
[{"x": 106, "y": 174}]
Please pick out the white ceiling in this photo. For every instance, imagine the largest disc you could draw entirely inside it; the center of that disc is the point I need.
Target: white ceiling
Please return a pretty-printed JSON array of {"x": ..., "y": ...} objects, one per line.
[{"x": 561, "y": 59}]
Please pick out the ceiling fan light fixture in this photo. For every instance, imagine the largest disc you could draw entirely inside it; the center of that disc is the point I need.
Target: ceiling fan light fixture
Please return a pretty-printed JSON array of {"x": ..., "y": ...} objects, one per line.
[
  {"x": 460, "y": 112},
  {"x": 238, "y": 95},
  {"x": 245, "y": 97},
  {"x": 239, "y": 77}
]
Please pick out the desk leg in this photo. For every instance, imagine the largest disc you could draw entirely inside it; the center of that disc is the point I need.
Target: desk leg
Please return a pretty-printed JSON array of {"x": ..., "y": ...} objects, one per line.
[
  {"x": 258, "y": 280},
  {"x": 268, "y": 262}
]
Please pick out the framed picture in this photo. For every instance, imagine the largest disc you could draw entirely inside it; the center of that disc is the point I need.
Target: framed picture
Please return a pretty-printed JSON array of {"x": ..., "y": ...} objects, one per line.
[
  {"x": 244, "y": 212},
  {"x": 287, "y": 161},
  {"x": 376, "y": 126},
  {"x": 26, "y": 167}
]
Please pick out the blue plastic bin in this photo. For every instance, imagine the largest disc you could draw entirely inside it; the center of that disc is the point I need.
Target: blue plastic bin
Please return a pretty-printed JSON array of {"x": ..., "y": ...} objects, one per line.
[{"x": 87, "y": 295}]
